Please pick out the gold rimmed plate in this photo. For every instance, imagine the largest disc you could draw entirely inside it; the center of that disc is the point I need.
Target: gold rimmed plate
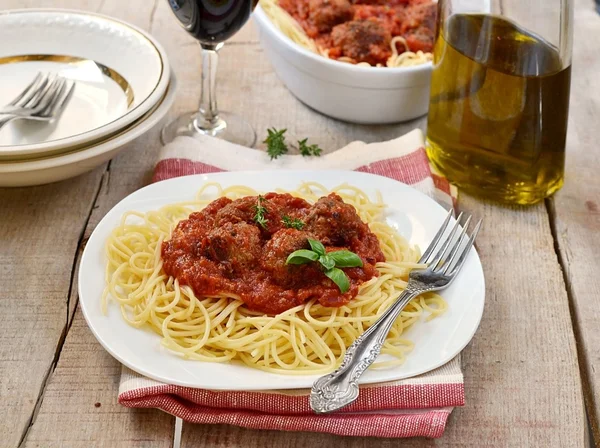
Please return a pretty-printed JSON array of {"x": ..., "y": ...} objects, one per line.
[
  {"x": 120, "y": 71},
  {"x": 77, "y": 160}
]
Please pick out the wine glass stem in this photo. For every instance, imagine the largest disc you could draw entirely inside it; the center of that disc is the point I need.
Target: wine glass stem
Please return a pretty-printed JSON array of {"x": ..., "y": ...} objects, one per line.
[{"x": 208, "y": 114}]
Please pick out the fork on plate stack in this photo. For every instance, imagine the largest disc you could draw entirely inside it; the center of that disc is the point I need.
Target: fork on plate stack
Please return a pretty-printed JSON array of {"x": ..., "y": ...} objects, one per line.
[{"x": 44, "y": 99}]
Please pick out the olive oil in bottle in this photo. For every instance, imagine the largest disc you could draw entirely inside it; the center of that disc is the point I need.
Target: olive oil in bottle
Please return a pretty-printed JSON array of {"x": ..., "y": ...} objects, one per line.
[{"x": 497, "y": 121}]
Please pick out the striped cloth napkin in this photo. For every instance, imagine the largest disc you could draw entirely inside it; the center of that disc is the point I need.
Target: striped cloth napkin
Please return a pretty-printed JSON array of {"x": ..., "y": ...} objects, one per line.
[{"x": 413, "y": 407}]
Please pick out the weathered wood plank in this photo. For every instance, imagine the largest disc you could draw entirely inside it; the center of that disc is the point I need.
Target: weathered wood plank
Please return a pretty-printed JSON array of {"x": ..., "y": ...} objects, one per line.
[
  {"x": 577, "y": 206},
  {"x": 522, "y": 384},
  {"x": 80, "y": 408},
  {"x": 40, "y": 229}
]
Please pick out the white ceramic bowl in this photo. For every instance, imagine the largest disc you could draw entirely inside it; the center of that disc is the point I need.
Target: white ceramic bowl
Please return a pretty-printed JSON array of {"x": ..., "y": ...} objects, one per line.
[{"x": 370, "y": 95}]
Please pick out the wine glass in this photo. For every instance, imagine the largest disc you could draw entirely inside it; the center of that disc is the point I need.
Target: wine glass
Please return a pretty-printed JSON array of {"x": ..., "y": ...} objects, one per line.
[{"x": 211, "y": 22}]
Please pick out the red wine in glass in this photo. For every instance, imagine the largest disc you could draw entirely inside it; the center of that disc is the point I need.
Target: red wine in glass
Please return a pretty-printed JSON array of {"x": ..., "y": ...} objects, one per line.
[{"x": 211, "y": 22}]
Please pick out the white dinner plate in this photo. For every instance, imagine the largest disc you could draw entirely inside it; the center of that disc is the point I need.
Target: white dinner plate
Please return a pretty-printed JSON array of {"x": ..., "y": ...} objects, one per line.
[
  {"x": 63, "y": 166},
  {"x": 416, "y": 216},
  {"x": 121, "y": 73}
]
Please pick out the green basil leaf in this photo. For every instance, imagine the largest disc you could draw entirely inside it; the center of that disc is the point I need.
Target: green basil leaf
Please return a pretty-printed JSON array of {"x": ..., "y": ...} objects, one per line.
[
  {"x": 345, "y": 259},
  {"x": 317, "y": 246},
  {"x": 339, "y": 278},
  {"x": 327, "y": 262},
  {"x": 302, "y": 256}
]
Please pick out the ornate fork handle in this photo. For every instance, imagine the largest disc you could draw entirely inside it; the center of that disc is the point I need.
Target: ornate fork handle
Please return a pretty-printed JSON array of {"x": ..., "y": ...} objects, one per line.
[{"x": 340, "y": 388}]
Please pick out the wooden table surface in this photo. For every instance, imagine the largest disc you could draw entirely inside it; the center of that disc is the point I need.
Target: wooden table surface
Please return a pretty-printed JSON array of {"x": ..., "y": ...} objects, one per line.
[{"x": 531, "y": 371}]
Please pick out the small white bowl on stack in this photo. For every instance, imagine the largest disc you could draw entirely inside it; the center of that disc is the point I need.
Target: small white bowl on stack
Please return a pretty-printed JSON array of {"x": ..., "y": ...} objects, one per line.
[{"x": 124, "y": 87}]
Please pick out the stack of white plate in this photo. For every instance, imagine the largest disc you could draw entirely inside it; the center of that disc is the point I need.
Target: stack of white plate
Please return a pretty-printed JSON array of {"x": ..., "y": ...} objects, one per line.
[{"x": 124, "y": 87}]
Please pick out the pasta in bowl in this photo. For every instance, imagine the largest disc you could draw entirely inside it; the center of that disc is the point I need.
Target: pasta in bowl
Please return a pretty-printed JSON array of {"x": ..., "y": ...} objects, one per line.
[{"x": 385, "y": 82}]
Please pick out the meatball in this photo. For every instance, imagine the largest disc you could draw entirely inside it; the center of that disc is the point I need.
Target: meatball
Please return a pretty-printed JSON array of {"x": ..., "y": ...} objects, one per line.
[
  {"x": 279, "y": 205},
  {"x": 236, "y": 246},
  {"x": 211, "y": 210},
  {"x": 369, "y": 249},
  {"x": 363, "y": 41},
  {"x": 388, "y": 17},
  {"x": 419, "y": 26},
  {"x": 325, "y": 14},
  {"x": 240, "y": 210},
  {"x": 276, "y": 206},
  {"x": 276, "y": 252},
  {"x": 334, "y": 222}
]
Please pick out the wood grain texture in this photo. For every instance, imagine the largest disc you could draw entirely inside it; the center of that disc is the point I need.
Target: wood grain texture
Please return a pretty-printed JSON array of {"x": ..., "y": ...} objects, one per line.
[
  {"x": 80, "y": 408},
  {"x": 522, "y": 381},
  {"x": 577, "y": 206},
  {"x": 40, "y": 229}
]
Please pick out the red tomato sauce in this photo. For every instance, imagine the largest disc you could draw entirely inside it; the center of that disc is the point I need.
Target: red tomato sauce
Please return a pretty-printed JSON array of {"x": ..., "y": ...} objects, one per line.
[
  {"x": 222, "y": 249},
  {"x": 361, "y": 30}
]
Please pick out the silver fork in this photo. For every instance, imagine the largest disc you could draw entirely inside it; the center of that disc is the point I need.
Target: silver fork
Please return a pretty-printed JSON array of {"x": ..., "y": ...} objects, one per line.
[
  {"x": 33, "y": 89},
  {"x": 444, "y": 258},
  {"x": 43, "y": 100}
]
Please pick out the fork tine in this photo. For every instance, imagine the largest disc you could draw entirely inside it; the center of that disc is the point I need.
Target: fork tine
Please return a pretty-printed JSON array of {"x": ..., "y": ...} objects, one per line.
[
  {"x": 49, "y": 95},
  {"x": 436, "y": 238},
  {"x": 55, "y": 100},
  {"x": 446, "y": 245},
  {"x": 39, "y": 91},
  {"x": 452, "y": 255},
  {"x": 28, "y": 92},
  {"x": 467, "y": 249},
  {"x": 43, "y": 92},
  {"x": 61, "y": 100}
]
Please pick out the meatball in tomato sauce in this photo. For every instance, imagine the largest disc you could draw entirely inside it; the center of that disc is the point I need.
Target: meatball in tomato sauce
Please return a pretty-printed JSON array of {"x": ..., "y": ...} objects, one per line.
[
  {"x": 275, "y": 255},
  {"x": 325, "y": 14},
  {"x": 419, "y": 26},
  {"x": 225, "y": 250},
  {"x": 236, "y": 246},
  {"x": 361, "y": 31},
  {"x": 363, "y": 41}
]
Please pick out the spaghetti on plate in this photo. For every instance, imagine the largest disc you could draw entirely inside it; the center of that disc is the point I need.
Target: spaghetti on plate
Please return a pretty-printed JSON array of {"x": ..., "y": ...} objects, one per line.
[{"x": 292, "y": 329}]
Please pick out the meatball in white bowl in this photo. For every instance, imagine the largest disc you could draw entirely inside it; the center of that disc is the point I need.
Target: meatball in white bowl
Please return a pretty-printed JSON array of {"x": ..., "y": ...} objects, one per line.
[{"x": 355, "y": 78}]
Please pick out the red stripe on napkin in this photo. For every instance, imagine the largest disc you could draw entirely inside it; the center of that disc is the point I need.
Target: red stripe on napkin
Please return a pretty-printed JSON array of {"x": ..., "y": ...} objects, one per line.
[
  {"x": 408, "y": 408},
  {"x": 408, "y": 169},
  {"x": 169, "y": 168},
  {"x": 426, "y": 424},
  {"x": 406, "y": 396}
]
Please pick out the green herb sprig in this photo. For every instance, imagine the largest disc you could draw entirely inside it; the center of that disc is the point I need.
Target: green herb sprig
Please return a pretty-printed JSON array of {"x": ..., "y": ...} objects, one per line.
[
  {"x": 259, "y": 213},
  {"x": 277, "y": 146},
  {"x": 292, "y": 223},
  {"x": 309, "y": 150},
  {"x": 331, "y": 262}
]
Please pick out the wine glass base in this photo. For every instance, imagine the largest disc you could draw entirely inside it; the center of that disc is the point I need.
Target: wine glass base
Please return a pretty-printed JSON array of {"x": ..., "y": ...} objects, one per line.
[{"x": 230, "y": 127}]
